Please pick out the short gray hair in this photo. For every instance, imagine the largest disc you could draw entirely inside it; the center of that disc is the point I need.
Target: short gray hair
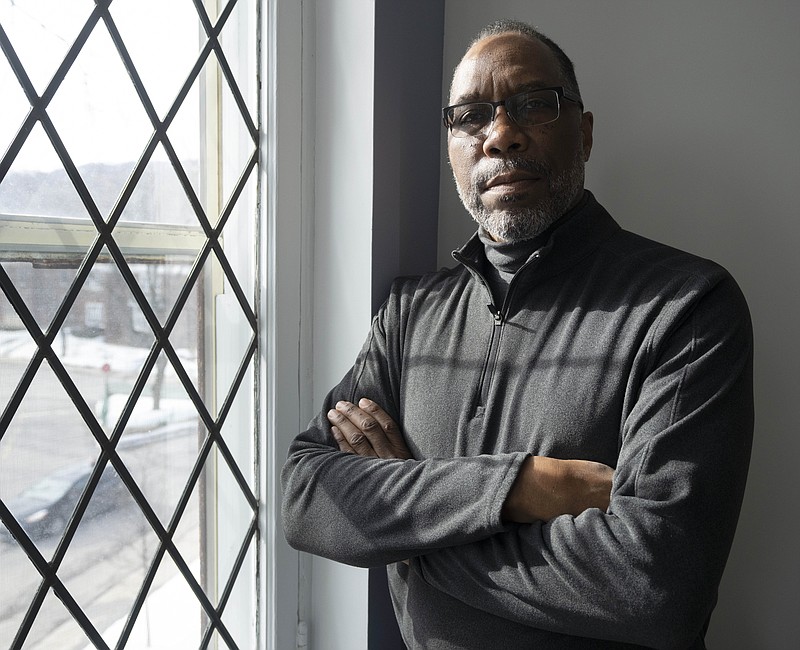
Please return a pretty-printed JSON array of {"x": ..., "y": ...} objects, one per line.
[{"x": 506, "y": 25}]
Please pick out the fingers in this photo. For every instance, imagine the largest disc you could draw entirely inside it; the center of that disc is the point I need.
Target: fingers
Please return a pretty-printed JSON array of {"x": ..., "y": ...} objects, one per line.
[
  {"x": 360, "y": 431},
  {"x": 341, "y": 441},
  {"x": 389, "y": 426},
  {"x": 366, "y": 430}
]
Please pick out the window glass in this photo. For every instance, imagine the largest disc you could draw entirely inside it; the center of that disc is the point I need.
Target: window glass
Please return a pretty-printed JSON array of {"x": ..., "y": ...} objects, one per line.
[{"x": 127, "y": 330}]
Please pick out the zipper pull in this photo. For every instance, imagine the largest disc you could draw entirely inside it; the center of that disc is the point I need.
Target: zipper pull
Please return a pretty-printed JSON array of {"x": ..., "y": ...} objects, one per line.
[{"x": 498, "y": 317}]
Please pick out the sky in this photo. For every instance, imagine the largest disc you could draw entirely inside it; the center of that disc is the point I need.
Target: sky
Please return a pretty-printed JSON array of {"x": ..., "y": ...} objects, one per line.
[{"x": 96, "y": 110}]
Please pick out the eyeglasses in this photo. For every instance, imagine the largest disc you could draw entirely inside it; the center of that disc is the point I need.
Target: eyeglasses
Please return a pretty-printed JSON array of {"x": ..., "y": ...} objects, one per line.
[{"x": 532, "y": 108}]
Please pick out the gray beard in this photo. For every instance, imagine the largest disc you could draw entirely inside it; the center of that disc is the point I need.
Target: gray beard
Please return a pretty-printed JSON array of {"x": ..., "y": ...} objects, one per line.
[{"x": 520, "y": 224}]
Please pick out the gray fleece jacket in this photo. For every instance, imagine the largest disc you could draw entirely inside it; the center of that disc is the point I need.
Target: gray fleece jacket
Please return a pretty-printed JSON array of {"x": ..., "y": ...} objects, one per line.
[{"x": 607, "y": 347}]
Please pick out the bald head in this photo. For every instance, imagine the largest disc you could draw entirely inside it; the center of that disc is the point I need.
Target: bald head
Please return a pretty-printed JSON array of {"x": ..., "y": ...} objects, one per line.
[
  {"x": 511, "y": 52},
  {"x": 506, "y": 26}
]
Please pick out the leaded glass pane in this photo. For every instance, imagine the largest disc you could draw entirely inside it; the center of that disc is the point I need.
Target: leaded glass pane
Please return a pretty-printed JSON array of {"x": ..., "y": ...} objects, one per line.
[
  {"x": 14, "y": 106},
  {"x": 127, "y": 333},
  {"x": 183, "y": 625},
  {"x": 17, "y": 588},
  {"x": 46, "y": 455},
  {"x": 54, "y": 628},
  {"x": 42, "y": 31},
  {"x": 148, "y": 25},
  {"x": 100, "y": 119},
  {"x": 113, "y": 547},
  {"x": 36, "y": 183}
]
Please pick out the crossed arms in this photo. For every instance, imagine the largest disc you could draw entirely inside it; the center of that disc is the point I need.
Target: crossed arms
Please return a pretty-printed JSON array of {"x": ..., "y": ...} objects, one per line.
[
  {"x": 537, "y": 540},
  {"x": 544, "y": 488}
]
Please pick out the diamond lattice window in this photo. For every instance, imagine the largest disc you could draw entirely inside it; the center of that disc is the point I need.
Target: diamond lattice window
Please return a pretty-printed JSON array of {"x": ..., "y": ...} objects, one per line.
[{"x": 128, "y": 186}]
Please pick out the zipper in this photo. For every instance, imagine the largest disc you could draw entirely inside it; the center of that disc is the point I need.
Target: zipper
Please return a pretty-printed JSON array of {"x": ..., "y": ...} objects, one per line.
[
  {"x": 499, "y": 316},
  {"x": 491, "y": 356},
  {"x": 496, "y": 314},
  {"x": 498, "y": 322}
]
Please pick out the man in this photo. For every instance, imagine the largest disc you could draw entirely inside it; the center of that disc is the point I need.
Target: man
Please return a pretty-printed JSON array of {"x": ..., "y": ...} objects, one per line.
[{"x": 470, "y": 449}]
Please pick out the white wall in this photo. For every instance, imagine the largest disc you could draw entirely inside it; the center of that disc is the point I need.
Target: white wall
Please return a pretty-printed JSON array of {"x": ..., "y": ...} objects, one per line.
[
  {"x": 696, "y": 144},
  {"x": 342, "y": 258},
  {"x": 356, "y": 145}
]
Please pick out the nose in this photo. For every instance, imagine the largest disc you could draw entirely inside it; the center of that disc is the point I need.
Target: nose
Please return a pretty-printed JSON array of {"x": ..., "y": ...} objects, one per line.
[{"x": 504, "y": 136}]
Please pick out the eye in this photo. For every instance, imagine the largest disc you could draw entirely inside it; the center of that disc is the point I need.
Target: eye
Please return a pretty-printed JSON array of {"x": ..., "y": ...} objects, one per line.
[
  {"x": 534, "y": 108},
  {"x": 537, "y": 103},
  {"x": 471, "y": 115}
]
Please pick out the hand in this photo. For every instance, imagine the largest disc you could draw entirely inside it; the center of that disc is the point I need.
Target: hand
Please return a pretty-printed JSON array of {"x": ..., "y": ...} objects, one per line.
[
  {"x": 547, "y": 487},
  {"x": 367, "y": 430}
]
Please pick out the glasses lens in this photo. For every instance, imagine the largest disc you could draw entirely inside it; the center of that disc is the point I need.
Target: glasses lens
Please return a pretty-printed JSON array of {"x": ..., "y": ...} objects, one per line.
[
  {"x": 537, "y": 107},
  {"x": 469, "y": 119}
]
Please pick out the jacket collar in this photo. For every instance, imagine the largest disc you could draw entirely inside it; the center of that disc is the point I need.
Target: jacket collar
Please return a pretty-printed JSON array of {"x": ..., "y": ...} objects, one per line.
[{"x": 573, "y": 237}]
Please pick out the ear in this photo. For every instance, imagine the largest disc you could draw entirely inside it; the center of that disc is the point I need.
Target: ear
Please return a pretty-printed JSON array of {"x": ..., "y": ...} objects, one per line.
[{"x": 587, "y": 125}]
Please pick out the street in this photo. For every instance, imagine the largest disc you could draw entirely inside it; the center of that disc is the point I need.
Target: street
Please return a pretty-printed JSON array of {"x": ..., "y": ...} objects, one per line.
[{"x": 113, "y": 546}]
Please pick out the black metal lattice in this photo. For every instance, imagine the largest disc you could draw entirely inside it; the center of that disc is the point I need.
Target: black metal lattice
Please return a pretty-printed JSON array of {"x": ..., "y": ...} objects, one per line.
[{"x": 44, "y": 339}]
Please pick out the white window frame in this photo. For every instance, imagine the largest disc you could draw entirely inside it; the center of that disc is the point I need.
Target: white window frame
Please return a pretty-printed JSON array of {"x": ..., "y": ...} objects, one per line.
[
  {"x": 329, "y": 198},
  {"x": 283, "y": 242},
  {"x": 304, "y": 230}
]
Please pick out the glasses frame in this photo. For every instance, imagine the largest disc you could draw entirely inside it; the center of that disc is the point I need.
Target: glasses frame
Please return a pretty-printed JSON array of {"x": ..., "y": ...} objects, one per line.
[{"x": 561, "y": 93}]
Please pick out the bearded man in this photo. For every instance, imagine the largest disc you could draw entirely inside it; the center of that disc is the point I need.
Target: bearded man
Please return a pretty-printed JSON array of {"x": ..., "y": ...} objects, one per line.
[{"x": 547, "y": 445}]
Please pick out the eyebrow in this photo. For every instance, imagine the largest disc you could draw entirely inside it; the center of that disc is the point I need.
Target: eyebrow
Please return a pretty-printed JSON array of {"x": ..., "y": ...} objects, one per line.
[{"x": 522, "y": 88}]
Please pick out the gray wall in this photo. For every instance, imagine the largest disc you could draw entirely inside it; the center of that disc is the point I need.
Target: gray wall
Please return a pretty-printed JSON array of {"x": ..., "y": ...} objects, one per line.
[
  {"x": 408, "y": 71},
  {"x": 696, "y": 144}
]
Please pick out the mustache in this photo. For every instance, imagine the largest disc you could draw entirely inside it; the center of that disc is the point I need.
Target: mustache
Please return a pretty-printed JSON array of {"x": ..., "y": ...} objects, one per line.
[{"x": 488, "y": 168}]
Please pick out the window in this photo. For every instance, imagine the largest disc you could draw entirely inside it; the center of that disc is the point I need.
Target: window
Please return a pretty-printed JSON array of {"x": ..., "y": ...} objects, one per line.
[{"x": 127, "y": 323}]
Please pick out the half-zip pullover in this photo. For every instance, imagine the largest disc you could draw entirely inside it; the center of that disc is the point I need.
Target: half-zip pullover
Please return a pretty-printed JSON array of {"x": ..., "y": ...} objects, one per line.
[{"x": 610, "y": 347}]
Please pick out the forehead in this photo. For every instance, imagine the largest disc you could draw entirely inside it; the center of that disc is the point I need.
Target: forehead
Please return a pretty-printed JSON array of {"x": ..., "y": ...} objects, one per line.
[{"x": 498, "y": 65}]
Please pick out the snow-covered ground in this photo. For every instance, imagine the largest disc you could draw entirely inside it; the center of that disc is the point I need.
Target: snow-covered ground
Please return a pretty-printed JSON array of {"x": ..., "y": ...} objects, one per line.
[
  {"x": 119, "y": 361},
  {"x": 79, "y": 352},
  {"x": 169, "y": 620}
]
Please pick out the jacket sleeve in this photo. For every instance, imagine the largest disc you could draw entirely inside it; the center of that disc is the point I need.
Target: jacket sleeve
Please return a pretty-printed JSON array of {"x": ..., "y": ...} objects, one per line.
[
  {"x": 647, "y": 570},
  {"x": 371, "y": 512}
]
